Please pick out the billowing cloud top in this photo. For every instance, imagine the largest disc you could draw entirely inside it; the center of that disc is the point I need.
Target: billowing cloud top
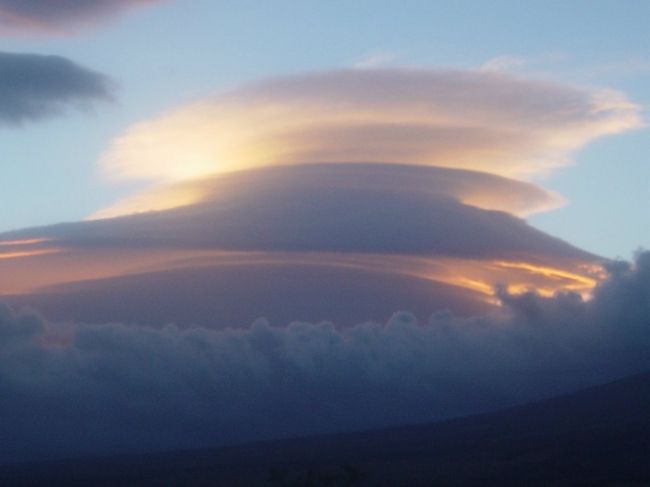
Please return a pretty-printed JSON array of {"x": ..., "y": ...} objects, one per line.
[
  {"x": 477, "y": 120},
  {"x": 85, "y": 389},
  {"x": 34, "y": 86},
  {"x": 56, "y": 16}
]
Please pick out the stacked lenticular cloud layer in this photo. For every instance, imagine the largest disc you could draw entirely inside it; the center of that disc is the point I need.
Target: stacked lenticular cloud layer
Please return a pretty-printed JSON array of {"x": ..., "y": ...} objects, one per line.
[{"x": 341, "y": 196}]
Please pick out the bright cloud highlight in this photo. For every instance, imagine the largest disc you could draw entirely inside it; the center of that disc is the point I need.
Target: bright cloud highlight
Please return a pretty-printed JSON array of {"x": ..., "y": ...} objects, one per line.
[{"x": 479, "y": 120}]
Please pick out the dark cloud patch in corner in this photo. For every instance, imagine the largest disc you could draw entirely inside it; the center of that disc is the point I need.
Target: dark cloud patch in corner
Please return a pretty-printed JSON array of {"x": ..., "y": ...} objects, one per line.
[
  {"x": 57, "y": 16},
  {"x": 34, "y": 86}
]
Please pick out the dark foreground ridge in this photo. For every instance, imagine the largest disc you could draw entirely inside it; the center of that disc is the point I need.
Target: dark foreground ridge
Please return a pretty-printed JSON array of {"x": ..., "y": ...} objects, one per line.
[{"x": 598, "y": 436}]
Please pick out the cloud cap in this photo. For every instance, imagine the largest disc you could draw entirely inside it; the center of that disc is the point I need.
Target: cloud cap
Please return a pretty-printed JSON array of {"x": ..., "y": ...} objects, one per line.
[{"x": 485, "y": 121}]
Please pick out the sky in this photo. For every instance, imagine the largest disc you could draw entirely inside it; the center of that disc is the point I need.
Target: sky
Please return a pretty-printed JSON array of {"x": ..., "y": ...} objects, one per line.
[
  {"x": 220, "y": 217},
  {"x": 157, "y": 65}
]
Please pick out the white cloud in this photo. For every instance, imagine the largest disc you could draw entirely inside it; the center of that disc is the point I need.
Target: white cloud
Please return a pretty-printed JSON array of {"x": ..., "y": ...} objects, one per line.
[
  {"x": 480, "y": 120},
  {"x": 376, "y": 59},
  {"x": 503, "y": 63}
]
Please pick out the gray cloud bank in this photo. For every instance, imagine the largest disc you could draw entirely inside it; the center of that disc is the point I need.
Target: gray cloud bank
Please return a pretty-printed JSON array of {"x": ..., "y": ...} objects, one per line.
[
  {"x": 33, "y": 87},
  {"x": 80, "y": 389},
  {"x": 57, "y": 15}
]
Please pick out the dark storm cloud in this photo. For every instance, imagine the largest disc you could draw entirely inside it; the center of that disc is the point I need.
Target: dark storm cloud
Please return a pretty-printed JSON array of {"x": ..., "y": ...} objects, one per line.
[
  {"x": 34, "y": 86},
  {"x": 59, "y": 15},
  {"x": 72, "y": 389}
]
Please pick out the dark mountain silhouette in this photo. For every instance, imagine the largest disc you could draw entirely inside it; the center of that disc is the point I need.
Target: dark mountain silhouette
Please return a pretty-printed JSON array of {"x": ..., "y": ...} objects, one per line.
[{"x": 597, "y": 436}]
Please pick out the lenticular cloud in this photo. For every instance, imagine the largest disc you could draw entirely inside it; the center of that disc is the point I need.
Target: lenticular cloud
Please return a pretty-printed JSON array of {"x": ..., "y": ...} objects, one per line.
[
  {"x": 342, "y": 196},
  {"x": 325, "y": 203},
  {"x": 484, "y": 121}
]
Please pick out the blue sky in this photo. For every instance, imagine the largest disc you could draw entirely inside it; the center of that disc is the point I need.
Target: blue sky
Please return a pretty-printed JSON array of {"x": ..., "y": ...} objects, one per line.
[{"x": 166, "y": 55}]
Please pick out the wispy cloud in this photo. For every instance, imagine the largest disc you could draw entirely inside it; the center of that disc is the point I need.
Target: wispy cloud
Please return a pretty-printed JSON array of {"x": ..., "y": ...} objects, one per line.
[
  {"x": 59, "y": 16},
  {"x": 377, "y": 59},
  {"x": 503, "y": 63}
]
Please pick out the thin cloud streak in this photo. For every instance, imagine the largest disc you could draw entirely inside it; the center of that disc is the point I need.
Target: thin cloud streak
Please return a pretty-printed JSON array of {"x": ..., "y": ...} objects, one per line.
[{"x": 59, "y": 17}]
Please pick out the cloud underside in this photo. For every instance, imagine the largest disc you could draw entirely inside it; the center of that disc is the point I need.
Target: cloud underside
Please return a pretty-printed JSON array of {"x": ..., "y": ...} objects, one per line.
[
  {"x": 33, "y": 87},
  {"x": 73, "y": 389},
  {"x": 478, "y": 189},
  {"x": 59, "y": 16}
]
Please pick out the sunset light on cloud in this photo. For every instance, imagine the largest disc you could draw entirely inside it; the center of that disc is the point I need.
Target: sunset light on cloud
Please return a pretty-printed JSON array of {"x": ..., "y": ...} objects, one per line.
[
  {"x": 475, "y": 120},
  {"x": 230, "y": 251},
  {"x": 58, "y": 16}
]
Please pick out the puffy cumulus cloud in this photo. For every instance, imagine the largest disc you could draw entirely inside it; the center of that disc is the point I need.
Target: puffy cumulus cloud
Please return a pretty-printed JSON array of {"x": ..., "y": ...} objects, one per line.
[
  {"x": 34, "y": 86},
  {"x": 71, "y": 389},
  {"x": 480, "y": 120},
  {"x": 58, "y": 16}
]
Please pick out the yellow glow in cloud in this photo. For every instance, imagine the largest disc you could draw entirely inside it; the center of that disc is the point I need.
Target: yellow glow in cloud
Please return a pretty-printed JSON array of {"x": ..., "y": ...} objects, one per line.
[
  {"x": 29, "y": 241},
  {"x": 31, "y": 247},
  {"x": 478, "y": 120},
  {"x": 26, "y": 253}
]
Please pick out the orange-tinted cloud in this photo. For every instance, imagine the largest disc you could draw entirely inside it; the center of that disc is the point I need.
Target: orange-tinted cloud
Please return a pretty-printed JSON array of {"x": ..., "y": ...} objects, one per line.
[
  {"x": 278, "y": 241},
  {"x": 60, "y": 381},
  {"x": 59, "y": 16},
  {"x": 290, "y": 188}
]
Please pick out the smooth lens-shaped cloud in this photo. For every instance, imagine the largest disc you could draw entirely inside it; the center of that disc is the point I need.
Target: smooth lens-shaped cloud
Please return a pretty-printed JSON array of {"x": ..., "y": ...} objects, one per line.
[{"x": 478, "y": 120}]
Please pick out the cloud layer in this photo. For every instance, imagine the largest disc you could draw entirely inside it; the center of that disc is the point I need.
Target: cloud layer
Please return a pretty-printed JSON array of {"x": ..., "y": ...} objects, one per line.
[
  {"x": 80, "y": 389},
  {"x": 59, "y": 16},
  {"x": 243, "y": 202},
  {"x": 479, "y": 120},
  {"x": 33, "y": 87},
  {"x": 361, "y": 229},
  {"x": 478, "y": 189}
]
